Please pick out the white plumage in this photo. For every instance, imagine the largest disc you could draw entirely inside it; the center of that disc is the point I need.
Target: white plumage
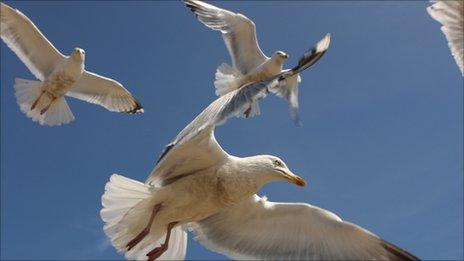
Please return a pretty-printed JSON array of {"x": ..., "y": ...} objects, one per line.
[
  {"x": 451, "y": 15},
  {"x": 195, "y": 183},
  {"x": 59, "y": 75},
  {"x": 249, "y": 63}
]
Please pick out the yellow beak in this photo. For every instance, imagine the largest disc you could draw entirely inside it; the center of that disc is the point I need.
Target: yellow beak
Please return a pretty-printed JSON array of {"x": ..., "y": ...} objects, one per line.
[{"x": 295, "y": 179}]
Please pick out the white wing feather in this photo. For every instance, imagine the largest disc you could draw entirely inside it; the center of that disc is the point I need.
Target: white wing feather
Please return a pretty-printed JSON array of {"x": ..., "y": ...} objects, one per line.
[
  {"x": 451, "y": 15},
  {"x": 28, "y": 43},
  {"x": 258, "y": 229},
  {"x": 238, "y": 32},
  {"x": 106, "y": 92}
]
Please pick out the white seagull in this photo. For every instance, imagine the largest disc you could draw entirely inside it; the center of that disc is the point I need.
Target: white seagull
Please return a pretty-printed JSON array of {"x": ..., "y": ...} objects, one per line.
[
  {"x": 196, "y": 184},
  {"x": 59, "y": 75},
  {"x": 249, "y": 63},
  {"x": 451, "y": 15}
]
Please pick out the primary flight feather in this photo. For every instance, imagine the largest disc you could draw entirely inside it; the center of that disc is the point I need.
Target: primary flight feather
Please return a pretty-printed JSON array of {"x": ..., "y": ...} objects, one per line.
[{"x": 59, "y": 75}]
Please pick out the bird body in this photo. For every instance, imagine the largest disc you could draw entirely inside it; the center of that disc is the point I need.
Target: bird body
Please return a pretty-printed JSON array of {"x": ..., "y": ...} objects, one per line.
[
  {"x": 58, "y": 75},
  {"x": 60, "y": 81},
  {"x": 229, "y": 78},
  {"x": 66, "y": 74},
  {"x": 202, "y": 193}
]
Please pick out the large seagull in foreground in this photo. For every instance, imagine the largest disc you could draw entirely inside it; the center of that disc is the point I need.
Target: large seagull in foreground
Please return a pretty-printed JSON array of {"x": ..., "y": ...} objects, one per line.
[
  {"x": 197, "y": 184},
  {"x": 451, "y": 15},
  {"x": 249, "y": 63},
  {"x": 59, "y": 75}
]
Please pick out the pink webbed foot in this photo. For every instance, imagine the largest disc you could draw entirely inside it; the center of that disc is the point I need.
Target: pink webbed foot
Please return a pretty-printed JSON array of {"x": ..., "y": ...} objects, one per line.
[{"x": 157, "y": 252}]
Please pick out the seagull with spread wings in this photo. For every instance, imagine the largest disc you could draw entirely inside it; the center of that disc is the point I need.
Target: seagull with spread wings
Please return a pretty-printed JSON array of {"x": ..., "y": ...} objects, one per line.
[
  {"x": 249, "y": 63},
  {"x": 451, "y": 15},
  {"x": 59, "y": 75},
  {"x": 196, "y": 184}
]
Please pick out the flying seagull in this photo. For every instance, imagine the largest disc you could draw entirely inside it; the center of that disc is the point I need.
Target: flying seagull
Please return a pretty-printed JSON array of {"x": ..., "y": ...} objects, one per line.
[
  {"x": 59, "y": 75},
  {"x": 197, "y": 185},
  {"x": 249, "y": 63},
  {"x": 451, "y": 15}
]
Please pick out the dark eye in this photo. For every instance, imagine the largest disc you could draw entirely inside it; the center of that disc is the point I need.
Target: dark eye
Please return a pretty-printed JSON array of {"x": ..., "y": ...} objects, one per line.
[{"x": 277, "y": 163}]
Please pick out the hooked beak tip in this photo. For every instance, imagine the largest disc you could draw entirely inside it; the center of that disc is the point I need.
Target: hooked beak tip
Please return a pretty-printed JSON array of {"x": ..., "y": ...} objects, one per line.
[{"x": 297, "y": 180}]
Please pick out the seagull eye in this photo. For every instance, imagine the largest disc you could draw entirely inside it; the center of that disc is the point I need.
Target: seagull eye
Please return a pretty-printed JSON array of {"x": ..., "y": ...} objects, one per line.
[{"x": 278, "y": 163}]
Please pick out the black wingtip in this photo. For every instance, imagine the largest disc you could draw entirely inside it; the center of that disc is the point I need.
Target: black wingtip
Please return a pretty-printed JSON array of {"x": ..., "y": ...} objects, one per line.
[
  {"x": 191, "y": 6},
  {"x": 313, "y": 55},
  {"x": 138, "y": 109},
  {"x": 165, "y": 151},
  {"x": 398, "y": 253}
]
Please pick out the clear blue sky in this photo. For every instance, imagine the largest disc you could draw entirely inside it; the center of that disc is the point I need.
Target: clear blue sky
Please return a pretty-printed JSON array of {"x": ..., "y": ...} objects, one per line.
[{"x": 381, "y": 143}]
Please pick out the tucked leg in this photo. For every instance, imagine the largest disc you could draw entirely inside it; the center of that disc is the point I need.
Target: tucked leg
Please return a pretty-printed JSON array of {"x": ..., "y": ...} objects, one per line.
[
  {"x": 247, "y": 112},
  {"x": 145, "y": 231},
  {"x": 157, "y": 252},
  {"x": 37, "y": 100},
  {"x": 48, "y": 106}
]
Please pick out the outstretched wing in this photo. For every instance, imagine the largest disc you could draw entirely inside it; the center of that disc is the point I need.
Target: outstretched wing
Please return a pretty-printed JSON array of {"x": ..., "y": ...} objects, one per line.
[
  {"x": 451, "y": 15},
  {"x": 288, "y": 88},
  {"x": 258, "y": 229},
  {"x": 195, "y": 147},
  {"x": 28, "y": 43},
  {"x": 238, "y": 32},
  {"x": 106, "y": 92}
]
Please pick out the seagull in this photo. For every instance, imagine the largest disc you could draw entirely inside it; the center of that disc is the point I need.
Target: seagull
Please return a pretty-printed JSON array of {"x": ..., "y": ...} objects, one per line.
[
  {"x": 451, "y": 15},
  {"x": 197, "y": 185},
  {"x": 59, "y": 75},
  {"x": 249, "y": 63}
]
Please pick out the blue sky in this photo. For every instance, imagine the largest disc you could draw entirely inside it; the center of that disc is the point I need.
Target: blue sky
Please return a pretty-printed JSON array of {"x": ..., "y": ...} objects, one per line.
[{"x": 382, "y": 111}]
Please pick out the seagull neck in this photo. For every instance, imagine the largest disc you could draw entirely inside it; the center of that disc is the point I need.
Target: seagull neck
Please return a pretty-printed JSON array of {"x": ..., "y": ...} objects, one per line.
[{"x": 251, "y": 171}]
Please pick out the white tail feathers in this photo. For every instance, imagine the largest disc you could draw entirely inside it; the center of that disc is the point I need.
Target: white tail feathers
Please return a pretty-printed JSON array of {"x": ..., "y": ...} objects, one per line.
[
  {"x": 27, "y": 92},
  {"x": 227, "y": 79},
  {"x": 127, "y": 206}
]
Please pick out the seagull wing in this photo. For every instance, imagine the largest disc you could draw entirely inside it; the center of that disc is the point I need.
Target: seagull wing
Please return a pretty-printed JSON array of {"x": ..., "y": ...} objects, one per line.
[
  {"x": 106, "y": 92},
  {"x": 238, "y": 32},
  {"x": 195, "y": 147},
  {"x": 28, "y": 43},
  {"x": 288, "y": 88},
  {"x": 258, "y": 229},
  {"x": 451, "y": 15}
]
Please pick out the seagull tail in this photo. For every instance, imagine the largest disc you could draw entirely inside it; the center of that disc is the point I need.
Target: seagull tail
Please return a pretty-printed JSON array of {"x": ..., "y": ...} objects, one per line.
[
  {"x": 28, "y": 96},
  {"x": 227, "y": 79},
  {"x": 127, "y": 206}
]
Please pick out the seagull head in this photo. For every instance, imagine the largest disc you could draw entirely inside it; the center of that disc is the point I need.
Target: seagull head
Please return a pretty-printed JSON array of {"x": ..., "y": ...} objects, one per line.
[
  {"x": 274, "y": 169},
  {"x": 78, "y": 54},
  {"x": 280, "y": 55}
]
